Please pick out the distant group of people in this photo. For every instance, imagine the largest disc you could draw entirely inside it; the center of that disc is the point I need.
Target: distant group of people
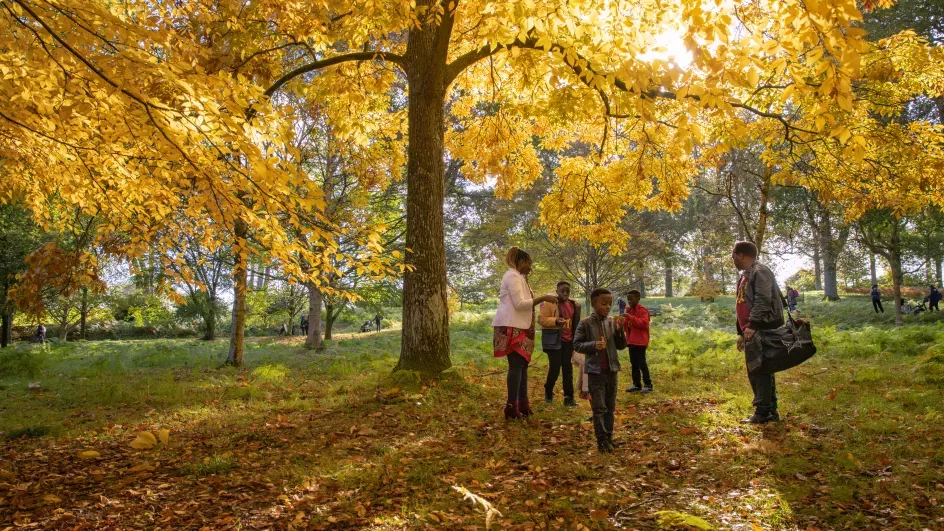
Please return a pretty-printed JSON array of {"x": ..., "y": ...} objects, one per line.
[{"x": 933, "y": 300}]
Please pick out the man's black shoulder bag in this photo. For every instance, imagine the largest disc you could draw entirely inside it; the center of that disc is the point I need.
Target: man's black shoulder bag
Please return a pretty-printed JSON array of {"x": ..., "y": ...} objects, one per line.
[{"x": 783, "y": 348}]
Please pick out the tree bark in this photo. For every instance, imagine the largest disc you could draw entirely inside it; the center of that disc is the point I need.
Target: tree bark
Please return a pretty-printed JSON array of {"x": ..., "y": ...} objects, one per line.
[
  {"x": 668, "y": 277},
  {"x": 898, "y": 276},
  {"x": 313, "y": 341},
  {"x": 425, "y": 345},
  {"x": 940, "y": 276},
  {"x": 642, "y": 287},
  {"x": 872, "y": 269},
  {"x": 238, "y": 333},
  {"x": 763, "y": 214}
]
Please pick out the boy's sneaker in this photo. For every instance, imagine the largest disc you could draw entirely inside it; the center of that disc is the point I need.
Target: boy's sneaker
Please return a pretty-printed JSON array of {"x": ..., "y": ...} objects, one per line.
[
  {"x": 570, "y": 402},
  {"x": 646, "y": 390},
  {"x": 604, "y": 447},
  {"x": 634, "y": 389}
]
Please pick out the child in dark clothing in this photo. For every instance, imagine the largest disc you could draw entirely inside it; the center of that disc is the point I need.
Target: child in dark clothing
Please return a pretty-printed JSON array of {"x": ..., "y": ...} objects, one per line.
[{"x": 600, "y": 337}]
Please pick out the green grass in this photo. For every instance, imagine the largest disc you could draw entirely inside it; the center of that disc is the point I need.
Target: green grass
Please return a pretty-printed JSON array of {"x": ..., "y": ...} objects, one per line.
[{"x": 336, "y": 437}]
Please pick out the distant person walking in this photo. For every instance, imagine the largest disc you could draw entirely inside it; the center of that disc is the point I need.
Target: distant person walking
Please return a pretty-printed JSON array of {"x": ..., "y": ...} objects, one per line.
[
  {"x": 792, "y": 298},
  {"x": 622, "y": 305},
  {"x": 636, "y": 324},
  {"x": 877, "y": 299},
  {"x": 513, "y": 326},
  {"x": 377, "y": 321},
  {"x": 304, "y": 326},
  {"x": 558, "y": 323},
  {"x": 40, "y": 334},
  {"x": 933, "y": 298},
  {"x": 758, "y": 307}
]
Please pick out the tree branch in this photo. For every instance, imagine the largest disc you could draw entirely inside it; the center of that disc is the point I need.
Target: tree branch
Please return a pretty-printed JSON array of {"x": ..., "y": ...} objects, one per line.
[{"x": 331, "y": 61}]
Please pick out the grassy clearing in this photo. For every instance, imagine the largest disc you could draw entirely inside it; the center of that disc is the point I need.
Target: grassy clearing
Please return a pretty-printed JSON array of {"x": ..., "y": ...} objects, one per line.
[{"x": 333, "y": 440}]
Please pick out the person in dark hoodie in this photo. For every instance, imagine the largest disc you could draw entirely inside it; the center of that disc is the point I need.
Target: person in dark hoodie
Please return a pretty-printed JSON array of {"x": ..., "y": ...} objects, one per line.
[{"x": 759, "y": 306}]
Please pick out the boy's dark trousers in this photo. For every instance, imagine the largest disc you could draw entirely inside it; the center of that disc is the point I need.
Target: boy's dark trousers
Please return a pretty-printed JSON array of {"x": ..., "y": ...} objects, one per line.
[
  {"x": 637, "y": 357},
  {"x": 765, "y": 393},
  {"x": 559, "y": 361},
  {"x": 877, "y": 306},
  {"x": 603, "y": 401}
]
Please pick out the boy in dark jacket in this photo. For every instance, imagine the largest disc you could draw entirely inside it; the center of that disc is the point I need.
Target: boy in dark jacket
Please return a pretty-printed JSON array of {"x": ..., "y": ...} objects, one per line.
[
  {"x": 600, "y": 337},
  {"x": 759, "y": 306}
]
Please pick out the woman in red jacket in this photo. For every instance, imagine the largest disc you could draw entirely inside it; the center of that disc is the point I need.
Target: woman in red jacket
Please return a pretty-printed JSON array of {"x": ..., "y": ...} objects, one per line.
[{"x": 636, "y": 323}]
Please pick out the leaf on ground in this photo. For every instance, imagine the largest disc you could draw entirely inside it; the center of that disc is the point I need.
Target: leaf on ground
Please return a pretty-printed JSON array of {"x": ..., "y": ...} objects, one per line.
[
  {"x": 672, "y": 520},
  {"x": 51, "y": 498},
  {"x": 163, "y": 435},
  {"x": 141, "y": 468},
  {"x": 145, "y": 441},
  {"x": 599, "y": 514},
  {"x": 89, "y": 454}
]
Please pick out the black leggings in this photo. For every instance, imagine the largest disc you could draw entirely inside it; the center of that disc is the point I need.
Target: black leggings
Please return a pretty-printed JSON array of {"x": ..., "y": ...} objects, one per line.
[
  {"x": 877, "y": 306},
  {"x": 517, "y": 377}
]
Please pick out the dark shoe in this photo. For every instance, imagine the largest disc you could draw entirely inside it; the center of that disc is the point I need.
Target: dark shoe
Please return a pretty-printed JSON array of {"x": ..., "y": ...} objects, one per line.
[
  {"x": 614, "y": 444},
  {"x": 524, "y": 407},
  {"x": 775, "y": 417},
  {"x": 634, "y": 389},
  {"x": 646, "y": 390},
  {"x": 548, "y": 396},
  {"x": 758, "y": 418},
  {"x": 604, "y": 447},
  {"x": 511, "y": 411},
  {"x": 570, "y": 402}
]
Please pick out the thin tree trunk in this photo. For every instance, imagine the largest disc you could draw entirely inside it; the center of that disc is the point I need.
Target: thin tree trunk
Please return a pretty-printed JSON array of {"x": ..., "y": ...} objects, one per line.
[
  {"x": 872, "y": 269},
  {"x": 764, "y": 211},
  {"x": 425, "y": 345},
  {"x": 83, "y": 315},
  {"x": 668, "y": 277},
  {"x": 210, "y": 319},
  {"x": 940, "y": 276},
  {"x": 642, "y": 287},
  {"x": 898, "y": 277},
  {"x": 330, "y": 316},
  {"x": 817, "y": 272},
  {"x": 6, "y": 328},
  {"x": 313, "y": 341},
  {"x": 238, "y": 332}
]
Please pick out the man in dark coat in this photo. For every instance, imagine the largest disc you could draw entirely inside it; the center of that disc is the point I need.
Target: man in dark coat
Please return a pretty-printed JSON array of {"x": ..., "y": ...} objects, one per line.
[{"x": 759, "y": 306}]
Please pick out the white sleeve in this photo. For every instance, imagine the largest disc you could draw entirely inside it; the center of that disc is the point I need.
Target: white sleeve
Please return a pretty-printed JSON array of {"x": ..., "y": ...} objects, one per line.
[{"x": 520, "y": 299}]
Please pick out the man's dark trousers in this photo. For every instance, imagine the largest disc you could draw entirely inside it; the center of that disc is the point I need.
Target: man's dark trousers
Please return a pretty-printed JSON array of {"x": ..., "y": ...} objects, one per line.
[
  {"x": 637, "y": 357},
  {"x": 559, "y": 361},
  {"x": 877, "y": 306},
  {"x": 603, "y": 401},
  {"x": 765, "y": 392}
]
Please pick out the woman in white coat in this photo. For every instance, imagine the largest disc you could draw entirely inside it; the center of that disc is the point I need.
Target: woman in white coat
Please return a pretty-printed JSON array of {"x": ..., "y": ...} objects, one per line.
[{"x": 514, "y": 329}]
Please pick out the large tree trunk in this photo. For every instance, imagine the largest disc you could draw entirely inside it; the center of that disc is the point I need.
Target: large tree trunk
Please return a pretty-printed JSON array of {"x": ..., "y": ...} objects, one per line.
[
  {"x": 940, "y": 276},
  {"x": 642, "y": 287},
  {"x": 313, "y": 341},
  {"x": 238, "y": 333},
  {"x": 668, "y": 277},
  {"x": 6, "y": 328},
  {"x": 425, "y": 345},
  {"x": 872, "y": 270},
  {"x": 898, "y": 276}
]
